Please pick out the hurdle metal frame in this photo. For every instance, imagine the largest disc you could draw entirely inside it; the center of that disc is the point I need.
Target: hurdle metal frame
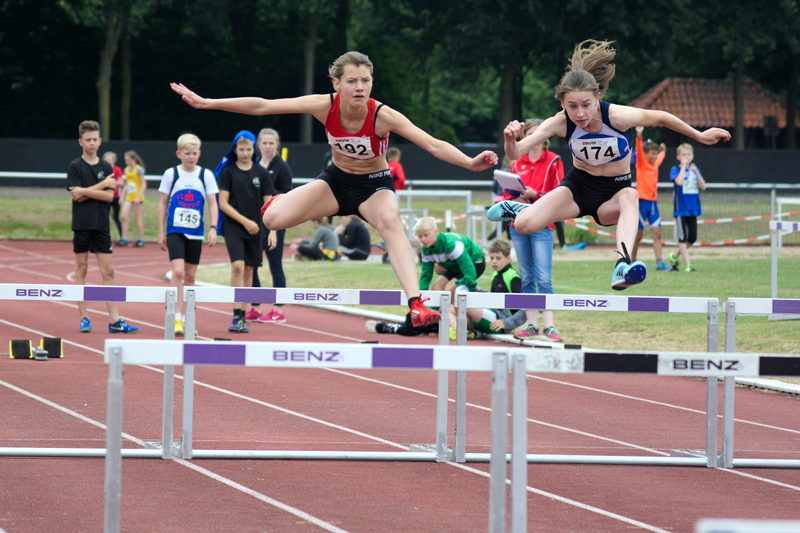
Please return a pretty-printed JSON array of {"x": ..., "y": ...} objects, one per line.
[
  {"x": 439, "y": 451},
  {"x": 574, "y": 302},
  {"x": 119, "y": 352},
  {"x": 91, "y": 293},
  {"x": 776, "y": 229},
  {"x": 735, "y": 307},
  {"x": 581, "y": 361}
]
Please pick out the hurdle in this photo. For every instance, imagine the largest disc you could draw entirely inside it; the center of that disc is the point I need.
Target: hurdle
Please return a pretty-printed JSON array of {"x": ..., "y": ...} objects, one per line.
[
  {"x": 196, "y": 295},
  {"x": 715, "y": 365},
  {"x": 120, "y": 352},
  {"x": 93, "y": 293},
  {"x": 735, "y": 307},
  {"x": 776, "y": 229},
  {"x": 574, "y": 302}
]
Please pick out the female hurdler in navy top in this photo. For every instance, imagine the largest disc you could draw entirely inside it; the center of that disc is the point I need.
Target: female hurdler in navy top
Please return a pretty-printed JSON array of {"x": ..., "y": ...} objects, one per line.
[
  {"x": 596, "y": 133},
  {"x": 358, "y": 180}
]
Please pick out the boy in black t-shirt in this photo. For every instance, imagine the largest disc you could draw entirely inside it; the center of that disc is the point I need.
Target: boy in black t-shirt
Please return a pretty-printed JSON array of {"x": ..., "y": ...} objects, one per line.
[
  {"x": 90, "y": 181},
  {"x": 244, "y": 186}
]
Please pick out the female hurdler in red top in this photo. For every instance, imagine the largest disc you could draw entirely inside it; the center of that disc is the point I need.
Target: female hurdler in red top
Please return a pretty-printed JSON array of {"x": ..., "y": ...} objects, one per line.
[{"x": 358, "y": 179}]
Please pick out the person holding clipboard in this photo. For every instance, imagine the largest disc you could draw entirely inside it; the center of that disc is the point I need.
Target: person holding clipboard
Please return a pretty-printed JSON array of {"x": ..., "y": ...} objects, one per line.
[{"x": 533, "y": 175}]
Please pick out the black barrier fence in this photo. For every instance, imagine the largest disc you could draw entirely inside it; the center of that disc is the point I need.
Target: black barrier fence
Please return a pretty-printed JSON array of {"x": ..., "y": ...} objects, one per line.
[{"x": 53, "y": 155}]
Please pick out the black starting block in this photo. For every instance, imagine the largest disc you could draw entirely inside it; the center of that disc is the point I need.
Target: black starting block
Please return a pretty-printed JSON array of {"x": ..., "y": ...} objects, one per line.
[{"x": 48, "y": 348}]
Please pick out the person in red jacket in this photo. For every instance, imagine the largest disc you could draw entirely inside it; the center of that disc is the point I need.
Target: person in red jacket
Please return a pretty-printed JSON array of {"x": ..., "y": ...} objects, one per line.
[
  {"x": 541, "y": 171},
  {"x": 358, "y": 180},
  {"x": 396, "y": 168}
]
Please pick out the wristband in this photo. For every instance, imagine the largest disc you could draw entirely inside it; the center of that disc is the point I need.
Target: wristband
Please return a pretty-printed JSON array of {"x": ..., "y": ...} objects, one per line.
[{"x": 213, "y": 227}]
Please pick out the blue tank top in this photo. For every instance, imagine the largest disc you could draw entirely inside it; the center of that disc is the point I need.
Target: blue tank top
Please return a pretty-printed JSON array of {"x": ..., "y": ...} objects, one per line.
[{"x": 608, "y": 145}]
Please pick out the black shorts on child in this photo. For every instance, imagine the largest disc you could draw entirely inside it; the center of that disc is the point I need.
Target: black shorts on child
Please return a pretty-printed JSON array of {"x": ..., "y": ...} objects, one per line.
[
  {"x": 89, "y": 240},
  {"x": 247, "y": 249},
  {"x": 590, "y": 192},
  {"x": 352, "y": 190},
  {"x": 179, "y": 247}
]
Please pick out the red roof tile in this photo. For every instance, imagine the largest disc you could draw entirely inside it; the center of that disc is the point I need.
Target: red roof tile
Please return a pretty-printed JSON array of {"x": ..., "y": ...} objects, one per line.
[{"x": 706, "y": 103}]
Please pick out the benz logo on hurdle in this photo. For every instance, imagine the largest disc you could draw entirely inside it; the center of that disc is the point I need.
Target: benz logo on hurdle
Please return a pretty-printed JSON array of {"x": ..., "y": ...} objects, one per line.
[
  {"x": 306, "y": 356},
  {"x": 39, "y": 293},
  {"x": 577, "y": 302},
  {"x": 316, "y": 296},
  {"x": 706, "y": 364}
]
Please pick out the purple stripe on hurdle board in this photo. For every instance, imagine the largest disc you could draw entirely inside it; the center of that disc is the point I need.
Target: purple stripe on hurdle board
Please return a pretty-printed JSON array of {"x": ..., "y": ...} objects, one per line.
[
  {"x": 526, "y": 301},
  {"x": 644, "y": 303},
  {"x": 402, "y": 357},
  {"x": 254, "y": 295},
  {"x": 788, "y": 226},
  {"x": 104, "y": 294},
  {"x": 786, "y": 306},
  {"x": 366, "y": 297},
  {"x": 213, "y": 354}
]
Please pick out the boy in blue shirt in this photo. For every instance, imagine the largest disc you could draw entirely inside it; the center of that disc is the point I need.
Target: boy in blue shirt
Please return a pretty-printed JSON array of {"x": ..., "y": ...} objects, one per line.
[
  {"x": 185, "y": 190},
  {"x": 687, "y": 182}
]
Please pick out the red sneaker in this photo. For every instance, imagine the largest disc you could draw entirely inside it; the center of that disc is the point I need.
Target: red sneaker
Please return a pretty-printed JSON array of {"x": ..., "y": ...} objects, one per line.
[
  {"x": 421, "y": 315},
  {"x": 267, "y": 203}
]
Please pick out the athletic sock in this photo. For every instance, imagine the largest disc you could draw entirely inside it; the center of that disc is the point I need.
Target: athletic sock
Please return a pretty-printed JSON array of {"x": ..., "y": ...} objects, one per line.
[{"x": 412, "y": 300}]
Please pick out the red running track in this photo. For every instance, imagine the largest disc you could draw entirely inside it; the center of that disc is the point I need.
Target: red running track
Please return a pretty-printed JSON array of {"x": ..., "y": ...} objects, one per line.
[{"x": 61, "y": 403}]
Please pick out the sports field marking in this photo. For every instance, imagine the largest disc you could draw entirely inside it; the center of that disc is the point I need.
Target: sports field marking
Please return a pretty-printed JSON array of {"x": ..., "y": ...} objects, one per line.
[
  {"x": 476, "y": 406},
  {"x": 268, "y": 500},
  {"x": 586, "y": 507},
  {"x": 208, "y": 473},
  {"x": 292, "y": 510},
  {"x": 489, "y": 409},
  {"x": 663, "y": 404}
]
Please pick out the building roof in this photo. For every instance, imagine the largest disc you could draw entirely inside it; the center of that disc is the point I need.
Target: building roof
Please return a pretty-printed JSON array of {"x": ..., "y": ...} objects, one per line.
[{"x": 705, "y": 103}]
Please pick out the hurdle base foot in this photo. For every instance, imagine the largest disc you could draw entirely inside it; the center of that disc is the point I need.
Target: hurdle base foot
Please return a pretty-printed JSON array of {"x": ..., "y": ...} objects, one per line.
[
  {"x": 156, "y": 445},
  {"x": 431, "y": 448},
  {"x": 687, "y": 453}
]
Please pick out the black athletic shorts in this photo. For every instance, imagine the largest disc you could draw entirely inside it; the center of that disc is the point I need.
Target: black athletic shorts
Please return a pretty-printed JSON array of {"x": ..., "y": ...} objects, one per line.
[
  {"x": 352, "y": 190},
  {"x": 687, "y": 229},
  {"x": 179, "y": 247},
  {"x": 456, "y": 274},
  {"x": 244, "y": 249},
  {"x": 590, "y": 192},
  {"x": 89, "y": 240}
]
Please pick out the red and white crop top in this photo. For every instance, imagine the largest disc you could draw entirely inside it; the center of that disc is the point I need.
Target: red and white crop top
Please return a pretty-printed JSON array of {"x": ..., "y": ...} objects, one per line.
[{"x": 363, "y": 144}]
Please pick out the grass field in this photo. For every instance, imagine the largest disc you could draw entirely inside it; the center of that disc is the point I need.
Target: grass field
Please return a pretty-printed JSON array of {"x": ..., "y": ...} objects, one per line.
[{"x": 722, "y": 272}]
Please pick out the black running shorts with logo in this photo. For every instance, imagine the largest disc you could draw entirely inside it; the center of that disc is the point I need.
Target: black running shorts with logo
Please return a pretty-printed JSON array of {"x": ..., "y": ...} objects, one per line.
[
  {"x": 179, "y": 247},
  {"x": 352, "y": 190},
  {"x": 590, "y": 192},
  {"x": 90, "y": 240}
]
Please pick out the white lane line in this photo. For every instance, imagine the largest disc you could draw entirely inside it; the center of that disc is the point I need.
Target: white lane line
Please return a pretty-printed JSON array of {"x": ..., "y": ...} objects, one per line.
[
  {"x": 489, "y": 409},
  {"x": 476, "y": 406},
  {"x": 297, "y": 512},
  {"x": 655, "y": 402},
  {"x": 570, "y": 501},
  {"x": 208, "y": 473}
]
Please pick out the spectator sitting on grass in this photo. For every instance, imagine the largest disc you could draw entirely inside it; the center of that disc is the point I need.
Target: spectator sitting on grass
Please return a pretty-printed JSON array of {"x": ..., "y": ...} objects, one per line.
[
  {"x": 324, "y": 245},
  {"x": 353, "y": 238}
]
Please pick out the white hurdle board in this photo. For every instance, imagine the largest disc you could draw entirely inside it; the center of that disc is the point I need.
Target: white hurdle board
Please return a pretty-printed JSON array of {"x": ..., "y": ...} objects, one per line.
[
  {"x": 119, "y": 352},
  {"x": 300, "y": 295},
  {"x": 593, "y": 302},
  {"x": 165, "y": 295}
]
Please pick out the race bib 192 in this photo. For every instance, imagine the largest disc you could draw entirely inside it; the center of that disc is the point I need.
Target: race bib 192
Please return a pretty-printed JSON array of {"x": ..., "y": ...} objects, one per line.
[{"x": 355, "y": 147}]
